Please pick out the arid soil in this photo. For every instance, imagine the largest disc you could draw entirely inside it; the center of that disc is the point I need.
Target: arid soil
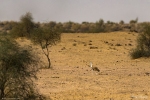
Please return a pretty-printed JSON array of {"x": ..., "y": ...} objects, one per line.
[{"x": 71, "y": 78}]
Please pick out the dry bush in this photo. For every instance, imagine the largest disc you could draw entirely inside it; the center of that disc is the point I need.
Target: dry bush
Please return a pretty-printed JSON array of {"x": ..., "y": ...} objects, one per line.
[
  {"x": 17, "y": 71},
  {"x": 143, "y": 44}
]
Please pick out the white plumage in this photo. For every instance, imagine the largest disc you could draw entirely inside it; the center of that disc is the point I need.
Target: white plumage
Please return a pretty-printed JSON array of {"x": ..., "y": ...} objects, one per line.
[{"x": 94, "y": 68}]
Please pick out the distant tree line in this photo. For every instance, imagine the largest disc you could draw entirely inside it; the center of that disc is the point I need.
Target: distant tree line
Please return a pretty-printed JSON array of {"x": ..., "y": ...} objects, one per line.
[{"x": 84, "y": 27}]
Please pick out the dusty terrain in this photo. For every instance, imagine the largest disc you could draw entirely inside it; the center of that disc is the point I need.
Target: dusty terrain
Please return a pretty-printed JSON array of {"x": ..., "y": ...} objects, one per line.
[{"x": 71, "y": 78}]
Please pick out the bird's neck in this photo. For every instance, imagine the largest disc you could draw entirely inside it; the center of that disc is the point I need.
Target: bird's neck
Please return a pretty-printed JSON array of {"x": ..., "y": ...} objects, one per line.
[{"x": 91, "y": 65}]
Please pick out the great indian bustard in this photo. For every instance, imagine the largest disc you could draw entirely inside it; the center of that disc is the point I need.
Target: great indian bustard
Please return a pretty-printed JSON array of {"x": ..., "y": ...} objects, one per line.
[{"x": 94, "y": 68}]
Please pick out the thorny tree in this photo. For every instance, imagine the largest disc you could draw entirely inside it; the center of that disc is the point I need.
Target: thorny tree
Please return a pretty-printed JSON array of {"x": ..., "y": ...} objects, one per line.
[
  {"x": 16, "y": 72},
  {"x": 46, "y": 37}
]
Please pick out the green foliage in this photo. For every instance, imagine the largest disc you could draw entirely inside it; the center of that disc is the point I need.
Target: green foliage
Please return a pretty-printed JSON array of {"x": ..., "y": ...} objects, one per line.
[
  {"x": 45, "y": 37},
  {"x": 143, "y": 44},
  {"x": 134, "y": 21},
  {"x": 121, "y": 22},
  {"x": 24, "y": 27},
  {"x": 144, "y": 39},
  {"x": 16, "y": 71},
  {"x": 27, "y": 23},
  {"x": 136, "y": 53},
  {"x": 18, "y": 31},
  {"x": 100, "y": 26}
]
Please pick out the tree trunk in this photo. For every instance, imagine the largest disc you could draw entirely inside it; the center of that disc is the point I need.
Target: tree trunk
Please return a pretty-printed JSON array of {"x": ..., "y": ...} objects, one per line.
[
  {"x": 49, "y": 62},
  {"x": 46, "y": 53}
]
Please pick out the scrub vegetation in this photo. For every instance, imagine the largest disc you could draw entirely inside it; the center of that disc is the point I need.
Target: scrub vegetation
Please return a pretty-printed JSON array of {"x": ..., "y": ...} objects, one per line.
[{"x": 18, "y": 66}]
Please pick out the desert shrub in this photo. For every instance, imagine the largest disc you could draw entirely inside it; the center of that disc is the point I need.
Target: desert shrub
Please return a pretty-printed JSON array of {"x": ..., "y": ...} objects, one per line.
[
  {"x": 1, "y": 24},
  {"x": 17, "y": 31},
  {"x": 24, "y": 27},
  {"x": 45, "y": 37},
  {"x": 7, "y": 27},
  {"x": 143, "y": 44},
  {"x": 17, "y": 71},
  {"x": 121, "y": 22},
  {"x": 136, "y": 53},
  {"x": 99, "y": 26},
  {"x": 134, "y": 21}
]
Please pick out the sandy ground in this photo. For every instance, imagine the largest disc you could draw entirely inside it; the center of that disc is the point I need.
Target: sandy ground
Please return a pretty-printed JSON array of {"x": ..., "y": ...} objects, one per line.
[{"x": 71, "y": 78}]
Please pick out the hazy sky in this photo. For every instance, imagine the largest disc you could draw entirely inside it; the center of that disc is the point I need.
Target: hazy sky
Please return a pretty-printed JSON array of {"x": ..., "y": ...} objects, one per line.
[{"x": 76, "y": 10}]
